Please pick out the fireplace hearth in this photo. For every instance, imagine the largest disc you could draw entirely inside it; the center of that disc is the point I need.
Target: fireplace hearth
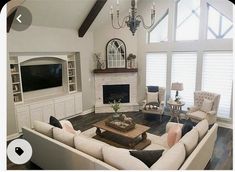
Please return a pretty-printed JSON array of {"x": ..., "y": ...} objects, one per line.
[{"x": 116, "y": 92}]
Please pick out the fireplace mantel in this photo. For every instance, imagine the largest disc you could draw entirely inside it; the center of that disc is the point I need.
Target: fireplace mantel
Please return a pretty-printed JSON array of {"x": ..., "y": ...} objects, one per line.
[{"x": 116, "y": 70}]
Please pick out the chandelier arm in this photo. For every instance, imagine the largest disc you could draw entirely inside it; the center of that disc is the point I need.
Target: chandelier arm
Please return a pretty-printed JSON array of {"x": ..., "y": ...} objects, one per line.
[
  {"x": 113, "y": 24},
  {"x": 144, "y": 25},
  {"x": 123, "y": 25}
]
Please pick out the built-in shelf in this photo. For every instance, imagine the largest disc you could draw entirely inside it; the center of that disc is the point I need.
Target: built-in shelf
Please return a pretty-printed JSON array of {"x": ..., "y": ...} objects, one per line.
[
  {"x": 72, "y": 86},
  {"x": 115, "y": 70},
  {"x": 16, "y": 80}
]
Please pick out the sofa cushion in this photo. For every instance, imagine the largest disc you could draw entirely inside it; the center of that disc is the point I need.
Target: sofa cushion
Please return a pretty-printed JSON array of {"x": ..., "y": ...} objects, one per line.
[
  {"x": 190, "y": 141},
  {"x": 63, "y": 136},
  {"x": 172, "y": 159},
  {"x": 90, "y": 146},
  {"x": 121, "y": 159},
  {"x": 202, "y": 128},
  {"x": 55, "y": 122},
  {"x": 149, "y": 157},
  {"x": 43, "y": 128},
  {"x": 152, "y": 97},
  {"x": 206, "y": 105},
  {"x": 188, "y": 125},
  {"x": 174, "y": 135},
  {"x": 198, "y": 115}
]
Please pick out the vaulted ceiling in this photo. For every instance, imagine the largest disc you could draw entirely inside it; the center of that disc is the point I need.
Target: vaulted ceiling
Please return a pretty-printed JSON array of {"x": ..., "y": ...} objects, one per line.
[{"x": 69, "y": 13}]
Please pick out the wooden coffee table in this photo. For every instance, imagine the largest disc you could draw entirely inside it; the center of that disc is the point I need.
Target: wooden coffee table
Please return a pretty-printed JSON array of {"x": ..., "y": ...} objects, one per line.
[{"x": 133, "y": 139}]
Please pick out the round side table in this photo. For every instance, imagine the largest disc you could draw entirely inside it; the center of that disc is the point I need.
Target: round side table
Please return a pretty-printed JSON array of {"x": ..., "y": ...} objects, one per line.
[{"x": 175, "y": 109}]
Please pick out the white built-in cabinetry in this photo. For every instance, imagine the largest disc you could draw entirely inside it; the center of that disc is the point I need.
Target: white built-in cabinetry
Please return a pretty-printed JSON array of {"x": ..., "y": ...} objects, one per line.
[{"x": 61, "y": 107}]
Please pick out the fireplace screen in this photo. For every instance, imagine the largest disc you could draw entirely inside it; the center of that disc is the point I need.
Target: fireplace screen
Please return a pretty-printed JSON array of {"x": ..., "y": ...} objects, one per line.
[{"x": 116, "y": 92}]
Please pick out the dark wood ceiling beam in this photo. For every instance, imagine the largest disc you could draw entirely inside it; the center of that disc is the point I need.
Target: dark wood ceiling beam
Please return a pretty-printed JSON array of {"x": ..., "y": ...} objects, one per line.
[
  {"x": 99, "y": 4},
  {"x": 10, "y": 19}
]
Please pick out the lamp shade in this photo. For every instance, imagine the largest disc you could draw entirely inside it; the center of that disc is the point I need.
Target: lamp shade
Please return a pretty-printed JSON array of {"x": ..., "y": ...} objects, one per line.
[{"x": 177, "y": 86}]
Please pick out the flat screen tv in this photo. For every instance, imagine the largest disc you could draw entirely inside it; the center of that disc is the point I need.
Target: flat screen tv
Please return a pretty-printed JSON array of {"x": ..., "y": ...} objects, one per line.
[{"x": 37, "y": 77}]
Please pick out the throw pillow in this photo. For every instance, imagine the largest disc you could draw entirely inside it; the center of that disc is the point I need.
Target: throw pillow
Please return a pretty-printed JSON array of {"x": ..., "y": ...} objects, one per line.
[
  {"x": 152, "y": 97},
  {"x": 188, "y": 125},
  {"x": 68, "y": 128},
  {"x": 174, "y": 135},
  {"x": 153, "y": 88},
  {"x": 206, "y": 105},
  {"x": 149, "y": 157},
  {"x": 55, "y": 122}
]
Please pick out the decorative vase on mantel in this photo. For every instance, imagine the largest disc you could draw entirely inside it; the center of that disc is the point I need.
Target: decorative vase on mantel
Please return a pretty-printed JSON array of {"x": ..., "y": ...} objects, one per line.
[{"x": 131, "y": 60}]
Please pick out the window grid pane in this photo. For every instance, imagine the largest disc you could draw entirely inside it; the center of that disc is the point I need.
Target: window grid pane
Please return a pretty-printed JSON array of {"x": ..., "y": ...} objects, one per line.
[
  {"x": 216, "y": 21},
  {"x": 184, "y": 70},
  {"x": 188, "y": 15},
  {"x": 217, "y": 77},
  {"x": 160, "y": 32},
  {"x": 156, "y": 66}
]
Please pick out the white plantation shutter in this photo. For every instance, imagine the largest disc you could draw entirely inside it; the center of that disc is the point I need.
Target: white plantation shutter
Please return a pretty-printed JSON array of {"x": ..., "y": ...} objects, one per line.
[
  {"x": 156, "y": 65},
  {"x": 184, "y": 70},
  {"x": 217, "y": 77}
]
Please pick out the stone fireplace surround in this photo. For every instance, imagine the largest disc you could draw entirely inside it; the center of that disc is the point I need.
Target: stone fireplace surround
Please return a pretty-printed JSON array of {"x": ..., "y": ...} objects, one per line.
[{"x": 116, "y": 79}]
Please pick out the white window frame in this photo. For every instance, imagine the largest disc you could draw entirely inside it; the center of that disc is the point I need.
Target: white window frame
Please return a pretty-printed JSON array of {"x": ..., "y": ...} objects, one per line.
[
  {"x": 159, "y": 21},
  {"x": 207, "y": 26}
]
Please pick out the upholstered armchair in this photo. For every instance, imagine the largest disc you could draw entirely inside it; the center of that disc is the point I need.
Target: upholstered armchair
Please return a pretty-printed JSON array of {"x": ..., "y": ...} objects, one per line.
[
  {"x": 154, "y": 101},
  {"x": 205, "y": 107}
]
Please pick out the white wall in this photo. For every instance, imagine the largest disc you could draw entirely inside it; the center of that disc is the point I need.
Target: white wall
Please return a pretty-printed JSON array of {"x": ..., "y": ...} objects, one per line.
[{"x": 53, "y": 40}]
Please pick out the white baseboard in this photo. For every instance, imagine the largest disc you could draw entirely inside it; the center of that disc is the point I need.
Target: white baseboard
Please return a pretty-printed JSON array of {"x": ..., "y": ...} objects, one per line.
[
  {"x": 13, "y": 136},
  {"x": 87, "y": 111}
]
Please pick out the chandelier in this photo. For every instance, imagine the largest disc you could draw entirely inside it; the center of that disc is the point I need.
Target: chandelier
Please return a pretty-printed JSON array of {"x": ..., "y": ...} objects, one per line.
[{"x": 133, "y": 20}]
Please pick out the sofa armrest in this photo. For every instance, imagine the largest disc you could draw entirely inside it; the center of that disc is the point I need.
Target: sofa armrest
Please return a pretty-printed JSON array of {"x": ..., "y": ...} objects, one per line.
[
  {"x": 211, "y": 113},
  {"x": 170, "y": 124},
  {"x": 192, "y": 109}
]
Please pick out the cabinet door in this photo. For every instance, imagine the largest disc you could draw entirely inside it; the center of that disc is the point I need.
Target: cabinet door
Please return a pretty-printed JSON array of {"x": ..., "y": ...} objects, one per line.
[
  {"x": 59, "y": 109},
  {"x": 23, "y": 117},
  {"x": 36, "y": 113},
  {"x": 78, "y": 103},
  {"x": 69, "y": 107},
  {"x": 48, "y": 110}
]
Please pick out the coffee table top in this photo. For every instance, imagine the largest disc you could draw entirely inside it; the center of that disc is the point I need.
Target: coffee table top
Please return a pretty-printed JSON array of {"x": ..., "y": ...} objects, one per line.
[{"x": 132, "y": 134}]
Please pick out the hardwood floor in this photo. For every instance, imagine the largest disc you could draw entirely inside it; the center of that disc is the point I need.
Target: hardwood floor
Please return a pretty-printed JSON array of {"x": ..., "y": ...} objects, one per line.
[{"x": 222, "y": 158}]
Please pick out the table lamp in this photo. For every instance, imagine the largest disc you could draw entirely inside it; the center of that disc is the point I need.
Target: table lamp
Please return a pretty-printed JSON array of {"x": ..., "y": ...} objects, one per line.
[{"x": 178, "y": 87}]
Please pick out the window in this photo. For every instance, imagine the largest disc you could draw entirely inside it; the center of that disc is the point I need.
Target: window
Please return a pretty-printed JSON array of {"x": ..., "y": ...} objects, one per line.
[
  {"x": 160, "y": 32},
  {"x": 184, "y": 70},
  {"x": 156, "y": 65},
  {"x": 217, "y": 77},
  {"x": 219, "y": 26},
  {"x": 188, "y": 15}
]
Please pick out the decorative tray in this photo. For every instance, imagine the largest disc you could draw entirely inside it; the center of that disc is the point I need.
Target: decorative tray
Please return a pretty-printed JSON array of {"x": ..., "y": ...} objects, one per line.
[{"x": 120, "y": 125}]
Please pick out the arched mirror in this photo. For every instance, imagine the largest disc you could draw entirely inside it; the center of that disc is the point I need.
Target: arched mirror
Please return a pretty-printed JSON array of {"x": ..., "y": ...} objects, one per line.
[{"x": 116, "y": 54}]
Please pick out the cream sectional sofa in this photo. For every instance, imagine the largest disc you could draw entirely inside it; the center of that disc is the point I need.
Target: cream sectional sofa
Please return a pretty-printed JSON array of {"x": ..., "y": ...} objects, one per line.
[{"x": 54, "y": 148}]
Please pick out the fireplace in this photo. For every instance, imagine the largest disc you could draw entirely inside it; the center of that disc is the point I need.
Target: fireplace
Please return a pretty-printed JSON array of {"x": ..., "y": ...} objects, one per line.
[{"x": 116, "y": 92}]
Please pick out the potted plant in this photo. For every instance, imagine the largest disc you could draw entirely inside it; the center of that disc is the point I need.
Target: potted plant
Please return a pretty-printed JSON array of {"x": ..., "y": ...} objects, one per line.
[
  {"x": 131, "y": 57},
  {"x": 116, "y": 106}
]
